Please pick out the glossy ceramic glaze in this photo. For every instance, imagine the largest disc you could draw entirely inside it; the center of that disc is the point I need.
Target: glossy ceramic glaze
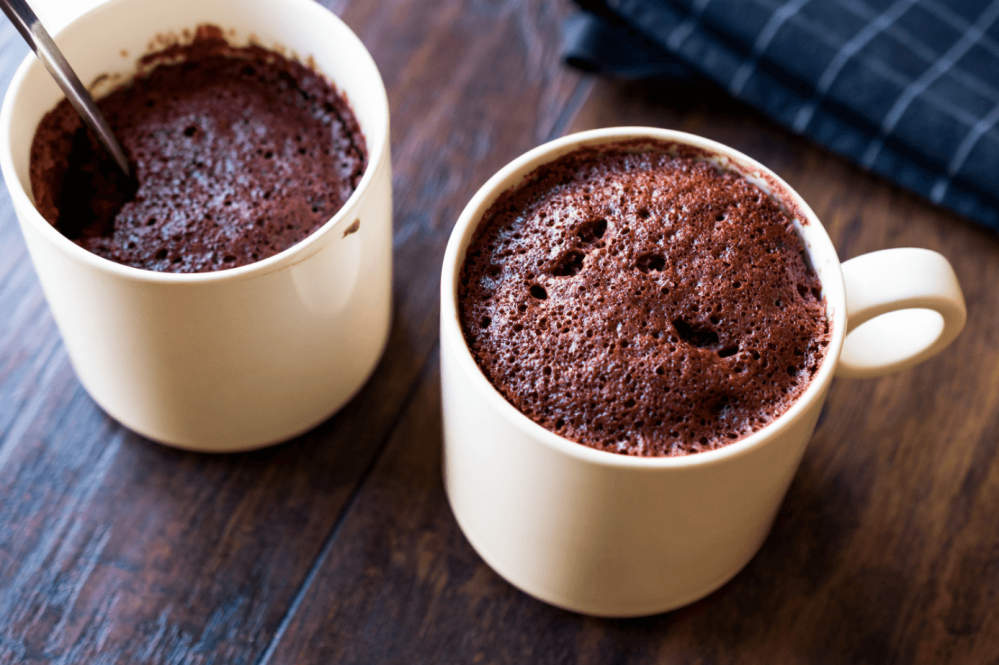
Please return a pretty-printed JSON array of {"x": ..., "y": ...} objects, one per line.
[
  {"x": 240, "y": 358},
  {"x": 612, "y": 535}
]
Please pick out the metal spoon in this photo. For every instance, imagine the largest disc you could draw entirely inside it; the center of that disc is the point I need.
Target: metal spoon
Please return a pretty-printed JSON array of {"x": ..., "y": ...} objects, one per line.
[{"x": 24, "y": 19}]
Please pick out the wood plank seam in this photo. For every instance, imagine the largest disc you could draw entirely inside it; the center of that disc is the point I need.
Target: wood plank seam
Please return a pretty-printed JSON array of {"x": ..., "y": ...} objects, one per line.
[
  {"x": 428, "y": 365},
  {"x": 572, "y": 107}
]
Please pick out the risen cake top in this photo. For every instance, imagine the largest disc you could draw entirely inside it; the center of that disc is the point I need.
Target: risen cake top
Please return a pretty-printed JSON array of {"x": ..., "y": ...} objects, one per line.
[
  {"x": 641, "y": 303},
  {"x": 238, "y": 154}
]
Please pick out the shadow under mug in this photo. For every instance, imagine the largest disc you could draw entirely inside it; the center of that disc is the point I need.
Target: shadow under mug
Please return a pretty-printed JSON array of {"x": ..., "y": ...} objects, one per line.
[
  {"x": 240, "y": 358},
  {"x": 618, "y": 536}
]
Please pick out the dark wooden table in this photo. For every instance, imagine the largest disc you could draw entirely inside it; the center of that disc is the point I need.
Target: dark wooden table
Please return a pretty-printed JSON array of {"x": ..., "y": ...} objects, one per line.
[{"x": 340, "y": 547}]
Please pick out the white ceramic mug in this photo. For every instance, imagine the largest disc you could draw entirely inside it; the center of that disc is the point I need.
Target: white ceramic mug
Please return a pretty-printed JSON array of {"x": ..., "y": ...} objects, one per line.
[
  {"x": 240, "y": 358},
  {"x": 611, "y": 535}
]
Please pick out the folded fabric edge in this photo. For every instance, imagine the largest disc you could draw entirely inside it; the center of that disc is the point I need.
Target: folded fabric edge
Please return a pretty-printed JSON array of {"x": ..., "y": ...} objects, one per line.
[
  {"x": 626, "y": 40},
  {"x": 597, "y": 45}
]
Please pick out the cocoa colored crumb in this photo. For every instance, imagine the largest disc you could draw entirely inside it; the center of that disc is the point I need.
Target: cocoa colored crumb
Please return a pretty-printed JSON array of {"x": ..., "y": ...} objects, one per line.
[
  {"x": 238, "y": 154},
  {"x": 642, "y": 304}
]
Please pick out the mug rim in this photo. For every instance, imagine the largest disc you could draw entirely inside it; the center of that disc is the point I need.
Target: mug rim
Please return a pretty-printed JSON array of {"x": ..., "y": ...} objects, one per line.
[
  {"x": 472, "y": 215},
  {"x": 377, "y": 153}
]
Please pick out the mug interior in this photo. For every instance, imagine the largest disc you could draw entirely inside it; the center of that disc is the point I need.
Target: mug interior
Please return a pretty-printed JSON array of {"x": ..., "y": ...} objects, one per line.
[
  {"x": 104, "y": 46},
  {"x": 814, "y": 240}
]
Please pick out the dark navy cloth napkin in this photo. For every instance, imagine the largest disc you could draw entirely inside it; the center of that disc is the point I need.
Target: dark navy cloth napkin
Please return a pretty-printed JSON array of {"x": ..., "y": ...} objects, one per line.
[{"x": 907, "y": 88}]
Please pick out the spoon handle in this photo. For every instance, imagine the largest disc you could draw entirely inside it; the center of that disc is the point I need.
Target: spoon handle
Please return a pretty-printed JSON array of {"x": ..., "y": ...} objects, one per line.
[{"x": 24, "y": 19}]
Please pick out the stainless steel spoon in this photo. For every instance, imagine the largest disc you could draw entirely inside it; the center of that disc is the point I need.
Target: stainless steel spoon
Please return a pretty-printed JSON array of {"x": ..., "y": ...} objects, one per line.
[{"x": 24, "y": 19}]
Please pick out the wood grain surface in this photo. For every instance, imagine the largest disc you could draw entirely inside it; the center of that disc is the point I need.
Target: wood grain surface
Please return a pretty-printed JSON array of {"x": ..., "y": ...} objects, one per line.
[{"x": 339, "y": 547}]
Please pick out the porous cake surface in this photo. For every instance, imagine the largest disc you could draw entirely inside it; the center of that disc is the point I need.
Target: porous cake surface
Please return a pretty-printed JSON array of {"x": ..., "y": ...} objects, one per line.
[
  {"x": 642, "y": 303},
  {"x": 238, "y": 153}
]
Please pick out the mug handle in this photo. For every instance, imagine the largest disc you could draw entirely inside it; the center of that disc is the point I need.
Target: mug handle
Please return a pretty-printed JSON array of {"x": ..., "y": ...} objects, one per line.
[{"x": 902, "y": 306}]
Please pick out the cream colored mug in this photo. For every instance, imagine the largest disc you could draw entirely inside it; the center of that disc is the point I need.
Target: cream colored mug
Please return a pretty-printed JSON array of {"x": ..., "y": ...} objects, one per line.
[
  {"x": 611, "y": 535},
  {"x": 240, "y": 358}
]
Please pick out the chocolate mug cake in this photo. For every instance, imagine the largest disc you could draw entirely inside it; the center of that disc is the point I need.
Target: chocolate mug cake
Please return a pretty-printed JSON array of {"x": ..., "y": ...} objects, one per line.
[
  {"x": 644, "y": 300},
  {"x": 638, "y": 299},
  {"x": 238, "y": 154}
]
